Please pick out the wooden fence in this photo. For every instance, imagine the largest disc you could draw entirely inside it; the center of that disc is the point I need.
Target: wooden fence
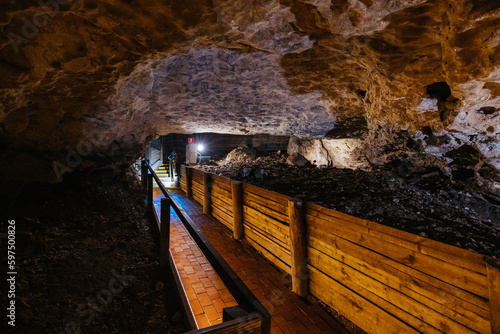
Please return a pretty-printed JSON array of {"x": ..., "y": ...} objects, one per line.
[{"x": 382, "y": 279}]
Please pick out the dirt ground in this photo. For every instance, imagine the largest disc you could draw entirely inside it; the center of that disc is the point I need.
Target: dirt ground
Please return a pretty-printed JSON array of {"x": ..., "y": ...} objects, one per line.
[
  {"x": 426, "y": 203},
  {"x": 87, "y": 261}
]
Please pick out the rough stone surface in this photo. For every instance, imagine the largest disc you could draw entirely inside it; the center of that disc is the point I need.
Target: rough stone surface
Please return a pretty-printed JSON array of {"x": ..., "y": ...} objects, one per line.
[
  {"x": 240, "y": 154},
  {"x": 104, "y": 78},
  {"x": 298, "y": 160},
  {"x": 215, "y": 90},
  {"x": 340, "y": 153}
]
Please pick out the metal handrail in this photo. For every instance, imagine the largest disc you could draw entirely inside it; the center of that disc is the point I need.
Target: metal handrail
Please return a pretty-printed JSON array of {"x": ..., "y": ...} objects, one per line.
[{"x": 241, "y": 293}]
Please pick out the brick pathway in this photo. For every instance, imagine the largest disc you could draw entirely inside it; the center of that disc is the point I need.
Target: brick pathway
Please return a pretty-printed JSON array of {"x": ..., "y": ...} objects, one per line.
[
  {"x": 206, "y": 293},
  {"x": 290, "y": 314}
]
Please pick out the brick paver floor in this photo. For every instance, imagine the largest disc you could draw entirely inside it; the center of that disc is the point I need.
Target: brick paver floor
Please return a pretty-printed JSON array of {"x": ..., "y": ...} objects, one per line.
[
  {"x": 289, "y": 313},
  {"x": 206, "y": 293}
]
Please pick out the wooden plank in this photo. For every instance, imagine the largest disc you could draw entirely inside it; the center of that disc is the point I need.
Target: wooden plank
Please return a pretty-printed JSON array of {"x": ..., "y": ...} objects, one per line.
[
  {"x": 458, "y": 276},
  {"x": 197, "y": 180},
  {"x": 221, "y": 179},
  {"x": 226, "y": 219},
  {"x": 271, "y": 195},
  {"x": 222, "y": 186},
  {"x": 198, "y": 188},
  {"x": 262, "y": 219},
  {"x": 279, "y": 233},
  {"x": 207, "y": 189},
  {"x": 223, "y": 208},
  {"x": 267, "y": 211},
  {"x": 226, "y": 192},
  {"x": 267, "y": 254},
  {"x": 389, "y": 299},
  {"x": 457, "y": 256},
  {"x": 421, "y": 292},
  {"x": 222, "y": 182},
  {"x": 182, "y": 178},
  {"x": 270, "y": 204},
  {"x": 494, "y": 293},
  {"x": 198, "y": 196},
  {"x": 197, "y": 184},
  {"x": 360, "y": 311},
  {"x": 198, "y": 175},
  {"x": 249, "y": 325},
  {"x": 222, "y": 205},
  {"x": 271, "y": 237},
  {"x": 198, "y": 199},
  {"x": 197, "y": 192},
  {"x": 275, "y": 248},
  {"x": 189, "y": 182},
  {"x": 221, "y": 219},
  {"x": 421, "y": 282},
  {"x": 222, "y": 194}
]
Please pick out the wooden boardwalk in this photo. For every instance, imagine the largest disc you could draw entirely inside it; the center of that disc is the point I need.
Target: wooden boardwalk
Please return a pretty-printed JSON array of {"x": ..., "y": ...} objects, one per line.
[{"x": 207, "y": 294}]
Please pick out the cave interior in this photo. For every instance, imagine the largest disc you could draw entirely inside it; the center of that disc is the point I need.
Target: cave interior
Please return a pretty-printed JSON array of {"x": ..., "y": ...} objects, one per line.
[{"x": 388, "y": 110}]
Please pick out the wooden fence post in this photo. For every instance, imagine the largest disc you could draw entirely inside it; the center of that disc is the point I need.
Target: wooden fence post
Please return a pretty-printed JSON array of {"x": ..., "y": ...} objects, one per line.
[
  {"x": 144, "y": 173},
  {"x": 164, "y": 231},
  {"x": 171, "y": 170},
  {"x": 298, "y": 247},
  {"x": 189, "y": 179},
  {"x": 150, "y": 191},
  {"x": 237, "y": 197},
  {"x": 493, "y": 269},
  {"x": 207, "y": 193}
]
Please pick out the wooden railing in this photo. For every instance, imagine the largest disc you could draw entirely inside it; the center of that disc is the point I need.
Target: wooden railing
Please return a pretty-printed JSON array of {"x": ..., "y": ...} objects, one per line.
[
  {"x": 249, "y": 316},
  {"x": 382, "y": 279}
]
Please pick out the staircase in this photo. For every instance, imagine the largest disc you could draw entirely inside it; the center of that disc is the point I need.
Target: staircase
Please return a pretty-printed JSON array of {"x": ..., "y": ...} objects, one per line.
[{"x": 163, "y": 173}]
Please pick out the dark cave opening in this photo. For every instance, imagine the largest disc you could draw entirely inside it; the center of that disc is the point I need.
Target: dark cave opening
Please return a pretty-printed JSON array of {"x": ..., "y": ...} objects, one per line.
[{"x": 439, "y": 90}]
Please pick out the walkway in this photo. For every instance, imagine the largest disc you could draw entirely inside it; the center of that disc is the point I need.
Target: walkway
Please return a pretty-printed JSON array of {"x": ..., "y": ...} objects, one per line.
[{"x": 290, "y": 314}]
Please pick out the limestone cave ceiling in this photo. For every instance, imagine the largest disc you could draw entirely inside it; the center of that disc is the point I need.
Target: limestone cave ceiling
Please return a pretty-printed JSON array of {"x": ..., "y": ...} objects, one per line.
[{"x": 119, "y": 73}]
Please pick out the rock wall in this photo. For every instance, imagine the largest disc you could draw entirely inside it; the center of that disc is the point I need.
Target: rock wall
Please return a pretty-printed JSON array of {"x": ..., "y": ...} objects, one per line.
[
  {"x": 340, "y": 153},
  {"x": 89, "y": 83}
]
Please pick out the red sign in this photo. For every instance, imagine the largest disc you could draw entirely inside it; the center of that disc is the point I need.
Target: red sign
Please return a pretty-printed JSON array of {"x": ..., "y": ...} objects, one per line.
[{"x": 190, "y": 140}]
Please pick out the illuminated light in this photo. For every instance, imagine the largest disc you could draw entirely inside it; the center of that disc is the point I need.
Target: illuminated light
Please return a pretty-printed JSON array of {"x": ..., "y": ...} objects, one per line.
[{"x": 201, "y": 148}]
